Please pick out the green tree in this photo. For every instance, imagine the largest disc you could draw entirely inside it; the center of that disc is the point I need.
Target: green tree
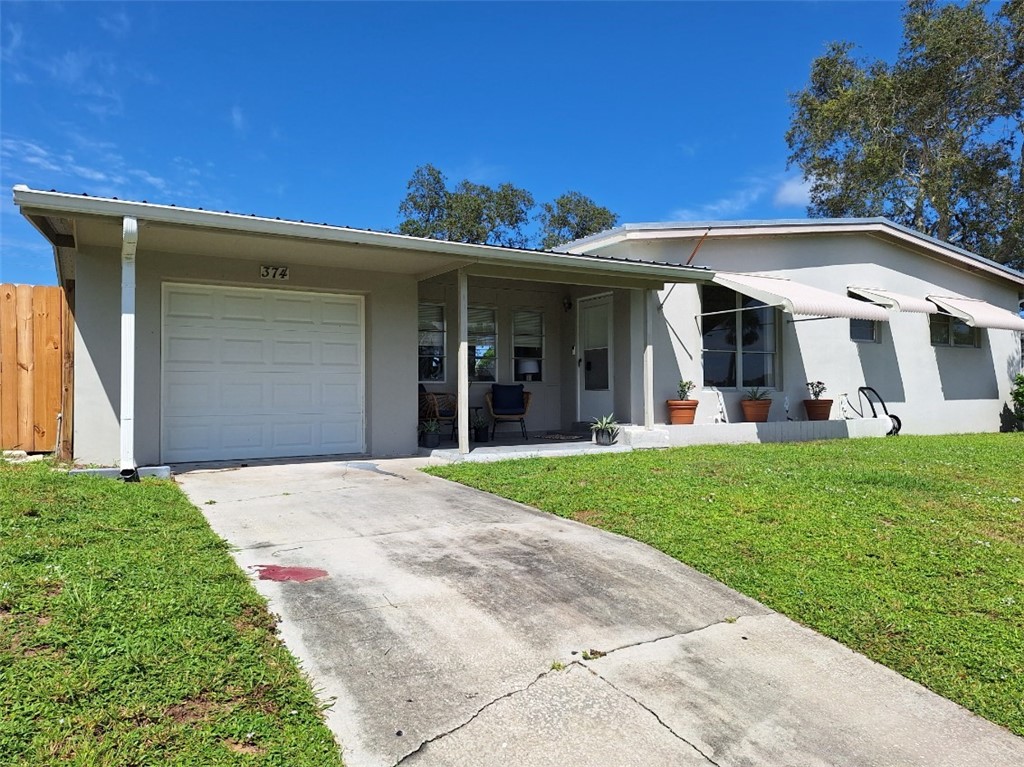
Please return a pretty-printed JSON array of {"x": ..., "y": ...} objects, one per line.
[
  {"x": 932, "y": 141},
  {"x": 500, "y": 215},
  {"x": 467, "y": 213},
  {"x": 572, "y": 216}
]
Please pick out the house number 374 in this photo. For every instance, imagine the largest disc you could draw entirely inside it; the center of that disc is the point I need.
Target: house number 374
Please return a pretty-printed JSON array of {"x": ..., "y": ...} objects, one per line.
[{"x": 274, "y": 272}]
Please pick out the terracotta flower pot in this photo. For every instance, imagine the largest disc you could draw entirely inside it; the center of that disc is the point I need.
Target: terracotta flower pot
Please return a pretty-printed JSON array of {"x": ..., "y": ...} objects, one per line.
[
  {"x": 818, "y": 409},
  {"x": 681, "y": 411},
  {"x": 755, "y": 410}
]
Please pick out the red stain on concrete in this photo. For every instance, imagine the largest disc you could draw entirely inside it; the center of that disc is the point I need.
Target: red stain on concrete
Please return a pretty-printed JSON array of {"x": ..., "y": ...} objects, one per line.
[{"x": 283, "y": 573}]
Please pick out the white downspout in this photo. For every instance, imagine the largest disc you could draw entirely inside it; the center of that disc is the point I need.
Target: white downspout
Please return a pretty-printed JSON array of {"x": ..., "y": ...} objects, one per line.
[{"x": 129, "y": 242}]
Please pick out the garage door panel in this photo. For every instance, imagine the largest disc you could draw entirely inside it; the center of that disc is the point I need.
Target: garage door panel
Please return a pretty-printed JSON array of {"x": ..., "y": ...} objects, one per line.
[
  {"x": 242, "y": 351},
  {"x": 183, "y": 302},
  {"x": 243, "y": 307},
  {"x": 252, "y": 373},
  {"x": 291, "y": 352},
  {"x": 190, "y": 350},
  {"x": 340, "y": 313},
  {"x": 293, "y": 311}
]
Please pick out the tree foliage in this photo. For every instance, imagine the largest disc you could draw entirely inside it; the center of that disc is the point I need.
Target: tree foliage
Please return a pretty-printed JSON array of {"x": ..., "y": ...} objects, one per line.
[
  {"x": 571, "y": 216},
  {"x": 501, "y": 215},
  {"x": 933, "y": 141}
]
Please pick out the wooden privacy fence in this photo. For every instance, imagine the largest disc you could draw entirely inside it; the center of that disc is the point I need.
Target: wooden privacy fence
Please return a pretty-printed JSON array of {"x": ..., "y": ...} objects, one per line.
[{"x": 36, "y": 369}]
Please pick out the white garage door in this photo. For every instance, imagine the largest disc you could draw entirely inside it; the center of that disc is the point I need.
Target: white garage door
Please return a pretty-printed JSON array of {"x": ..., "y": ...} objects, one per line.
[{"x": 250, "y": 373}]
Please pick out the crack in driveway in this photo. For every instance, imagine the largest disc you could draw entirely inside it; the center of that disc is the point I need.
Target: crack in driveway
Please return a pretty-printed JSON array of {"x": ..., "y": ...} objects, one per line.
[
  {"x": 653, "y": 713},
  {"x": 479, "y": 711}
]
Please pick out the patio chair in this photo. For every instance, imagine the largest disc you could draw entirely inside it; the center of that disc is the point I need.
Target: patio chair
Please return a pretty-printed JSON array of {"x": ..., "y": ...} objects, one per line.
[
  {"x": 507, "y": 402},
  {"x": 439, "y": 406}
]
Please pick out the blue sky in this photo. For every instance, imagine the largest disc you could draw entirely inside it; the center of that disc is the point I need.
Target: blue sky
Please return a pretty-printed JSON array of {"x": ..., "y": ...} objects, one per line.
[{"x": 321, "y": 111}]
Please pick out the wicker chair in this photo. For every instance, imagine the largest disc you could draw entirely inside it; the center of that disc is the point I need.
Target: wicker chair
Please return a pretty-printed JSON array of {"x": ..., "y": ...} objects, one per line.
[
  {"x": 439, "y": 406},
  {"x": 507, "y": 402}
]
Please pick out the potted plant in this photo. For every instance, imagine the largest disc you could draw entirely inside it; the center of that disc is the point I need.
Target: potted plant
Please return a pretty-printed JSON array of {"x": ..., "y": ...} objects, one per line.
[
  {"x": 481, "y": 427},
  {"x": 818, "y": 409},
  {"x": 430, "y": 433},
  {"x": 756, "y": 403},
  {"x": 605, "y": 429},
  {"x": 682, "y": 410}
]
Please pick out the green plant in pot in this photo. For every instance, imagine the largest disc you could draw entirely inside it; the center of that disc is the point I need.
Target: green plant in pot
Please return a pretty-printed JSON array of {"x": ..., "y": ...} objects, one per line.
[
  {"x": 684, "y": 409},
  {"x": 430, "y": 433},
  {"x": 756, "y": 403},
  {"x": 818, "y": 409},
  {"x": 605, "y": 429},
  {"x": 481, "y": 426}
]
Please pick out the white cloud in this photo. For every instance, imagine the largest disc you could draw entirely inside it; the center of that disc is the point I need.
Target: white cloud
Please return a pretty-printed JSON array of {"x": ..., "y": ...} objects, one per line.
[
  {"x": 11, "y": 41},
  {"x": 793, "y": 192},
  {"x": 117, "y": 24},
  {"x": 725, "y": 207},
  {"x": 238, "y": 118}
]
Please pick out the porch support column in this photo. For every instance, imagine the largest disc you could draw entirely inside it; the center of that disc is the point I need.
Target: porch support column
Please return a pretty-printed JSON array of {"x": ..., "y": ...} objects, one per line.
[
  {"x": 650, "y": 297},
  {"x": 129, "y": 242},
  {"x": 463, "y": 383}
]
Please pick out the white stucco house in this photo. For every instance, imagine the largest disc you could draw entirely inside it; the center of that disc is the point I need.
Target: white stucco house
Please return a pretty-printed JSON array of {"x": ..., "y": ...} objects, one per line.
[{"x": 212, "y": 336}]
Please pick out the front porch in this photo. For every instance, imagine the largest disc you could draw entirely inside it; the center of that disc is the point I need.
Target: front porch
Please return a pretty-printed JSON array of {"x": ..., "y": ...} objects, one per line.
[{"x": 510, "y": 446}]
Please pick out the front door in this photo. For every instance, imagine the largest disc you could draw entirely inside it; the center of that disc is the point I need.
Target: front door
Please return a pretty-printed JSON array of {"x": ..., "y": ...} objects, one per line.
[{"x": 595, "y": 357}]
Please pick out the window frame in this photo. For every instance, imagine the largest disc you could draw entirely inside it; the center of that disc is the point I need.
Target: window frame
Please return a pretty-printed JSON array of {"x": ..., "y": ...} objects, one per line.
[
  {"x": 738, "y": 351},
  {"x": 471, "y": 347},
  {"x": 444, "y": 343},
  {"x": 539, "y": 376},
  {"x": 950, "y": 321}
]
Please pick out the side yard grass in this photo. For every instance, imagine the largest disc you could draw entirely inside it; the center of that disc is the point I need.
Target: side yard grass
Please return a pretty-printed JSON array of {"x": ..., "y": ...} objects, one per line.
[
  {"x": 908, "y": 550},
  {"x": 128, "y": 636}
]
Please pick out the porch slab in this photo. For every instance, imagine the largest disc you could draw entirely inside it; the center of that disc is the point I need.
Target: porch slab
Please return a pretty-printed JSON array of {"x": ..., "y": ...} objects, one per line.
[
  {"x": 638, "y": 437},
  {"x": 536, "y": 447}
]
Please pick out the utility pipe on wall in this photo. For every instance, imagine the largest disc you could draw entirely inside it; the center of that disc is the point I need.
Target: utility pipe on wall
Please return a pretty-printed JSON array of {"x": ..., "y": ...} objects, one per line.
[{"x": 129, "y": 242}]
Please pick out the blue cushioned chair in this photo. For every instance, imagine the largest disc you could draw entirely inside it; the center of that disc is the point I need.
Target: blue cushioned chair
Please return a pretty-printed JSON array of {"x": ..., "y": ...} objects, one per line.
[{"x": 507, "y": 402}]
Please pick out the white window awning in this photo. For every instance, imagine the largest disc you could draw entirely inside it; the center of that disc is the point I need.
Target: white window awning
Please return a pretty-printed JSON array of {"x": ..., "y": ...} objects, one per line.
[
  {"x": 797, "y": 298},
  {"x": 978, "y": 313},
  {"x": 897, "y": 301}
]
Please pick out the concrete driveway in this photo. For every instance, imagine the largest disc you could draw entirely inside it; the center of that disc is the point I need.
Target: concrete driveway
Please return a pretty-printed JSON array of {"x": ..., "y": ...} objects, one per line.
[{"x": 455, "y": 628}]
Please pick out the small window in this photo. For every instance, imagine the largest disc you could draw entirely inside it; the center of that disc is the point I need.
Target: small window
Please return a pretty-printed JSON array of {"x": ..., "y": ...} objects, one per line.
[
  {"x": 431, "y": 343},
  {"x": 947, "y": 330},
  {"x": 528, "y": 345},
  {"x": 483, "y": 342},
  {"x": 864, "y": 331}
]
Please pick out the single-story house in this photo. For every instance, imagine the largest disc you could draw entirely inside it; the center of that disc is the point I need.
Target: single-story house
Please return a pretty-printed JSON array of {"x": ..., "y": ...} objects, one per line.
[{"x": 204, "y": 335}]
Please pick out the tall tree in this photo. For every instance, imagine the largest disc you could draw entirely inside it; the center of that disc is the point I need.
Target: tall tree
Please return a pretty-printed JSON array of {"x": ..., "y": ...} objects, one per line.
[
  {"x": 467, "y": 213},
  {"x": 501, "y": 215},
  {"x": 571, "y": 216},
  {"x": 932, "y": 141}
]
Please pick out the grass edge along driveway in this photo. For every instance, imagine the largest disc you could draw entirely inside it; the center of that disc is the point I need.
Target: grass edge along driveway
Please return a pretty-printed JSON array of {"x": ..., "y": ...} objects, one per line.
[
  {"x": 908, "y": 550},
  {"x": 129, "y": 636}
]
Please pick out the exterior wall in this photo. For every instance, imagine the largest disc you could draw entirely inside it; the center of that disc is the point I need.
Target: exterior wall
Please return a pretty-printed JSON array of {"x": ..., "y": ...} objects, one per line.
[
  {"x": 390, "y": 345},
  {"x": 932, "y": 389}
]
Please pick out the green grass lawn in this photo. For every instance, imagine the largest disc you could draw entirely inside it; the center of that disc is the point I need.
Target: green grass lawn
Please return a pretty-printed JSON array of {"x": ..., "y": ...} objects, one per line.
[
  {"x": 128, "y": 636},
  {"x": 909, "y": 550}
]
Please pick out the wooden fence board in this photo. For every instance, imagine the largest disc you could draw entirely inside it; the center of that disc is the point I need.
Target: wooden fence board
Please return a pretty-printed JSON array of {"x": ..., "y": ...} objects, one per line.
[
  {"x": 46, "y": 309},
  {"x": 33, "y": 367},
  {"x": 26, "y": 368},
  {"x": 8, "y": 367}
]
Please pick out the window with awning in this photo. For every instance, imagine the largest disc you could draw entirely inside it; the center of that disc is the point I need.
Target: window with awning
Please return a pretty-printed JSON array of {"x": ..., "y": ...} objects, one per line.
[
  {"x": 978, "y": 313},
  {"x": 797, "y": 298}
]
